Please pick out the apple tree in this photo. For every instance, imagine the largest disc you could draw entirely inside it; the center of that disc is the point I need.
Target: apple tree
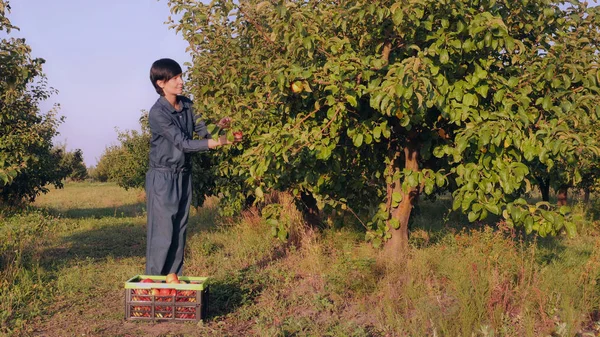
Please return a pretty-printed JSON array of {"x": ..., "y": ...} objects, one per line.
[
  {"x": 565, "y": 88},
  {"x": 27, "y": 161},
  {"x": 366, "y": 105}
]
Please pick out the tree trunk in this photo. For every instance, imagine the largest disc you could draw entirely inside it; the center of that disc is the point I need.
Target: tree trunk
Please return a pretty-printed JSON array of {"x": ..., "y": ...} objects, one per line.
[
  {"x": 561, "y": 197},
  {"x": 544, "y": 188},
  {"x": 310, "y": 210},
  {"x": 586, "y": 196},
  {"x": 397, "y": 246}
]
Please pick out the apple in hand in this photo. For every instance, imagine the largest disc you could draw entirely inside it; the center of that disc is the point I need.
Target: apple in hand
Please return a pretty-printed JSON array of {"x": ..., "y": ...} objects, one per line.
[{"x": 224, "y": 123}]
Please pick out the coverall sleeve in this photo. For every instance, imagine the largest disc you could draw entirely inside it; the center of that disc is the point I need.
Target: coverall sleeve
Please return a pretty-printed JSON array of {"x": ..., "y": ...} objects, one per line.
[{"x": 165, "y": 127}]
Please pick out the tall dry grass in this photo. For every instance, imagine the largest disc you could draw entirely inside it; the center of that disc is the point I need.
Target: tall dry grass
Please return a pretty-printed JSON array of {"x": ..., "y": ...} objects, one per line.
[{"x": 456, "y": 279}]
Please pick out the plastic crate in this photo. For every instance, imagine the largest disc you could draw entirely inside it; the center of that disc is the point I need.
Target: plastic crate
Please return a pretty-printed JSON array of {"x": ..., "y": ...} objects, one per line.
[{"x": 186, "y": 301}]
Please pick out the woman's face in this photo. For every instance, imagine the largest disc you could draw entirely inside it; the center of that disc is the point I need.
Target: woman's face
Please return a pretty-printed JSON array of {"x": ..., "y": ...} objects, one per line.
[{"x": 172, "y": 87}]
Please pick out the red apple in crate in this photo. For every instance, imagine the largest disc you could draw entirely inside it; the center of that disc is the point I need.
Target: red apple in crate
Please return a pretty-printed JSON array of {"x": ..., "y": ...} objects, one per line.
[
  {"x": 143, "y": 291},
  {"x": 164, "y": 292},
  {"x": 140, "y": 291}
]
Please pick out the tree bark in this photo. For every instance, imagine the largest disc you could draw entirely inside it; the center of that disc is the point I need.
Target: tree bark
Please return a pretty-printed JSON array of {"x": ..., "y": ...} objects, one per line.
[
  {"x": 397, "y": 246},
  {"x": 586, "y": 196},
  {"x": 310, "y": 210},
  {"x": 561, "y": 196},
  {"x": 544, "y": 188}
]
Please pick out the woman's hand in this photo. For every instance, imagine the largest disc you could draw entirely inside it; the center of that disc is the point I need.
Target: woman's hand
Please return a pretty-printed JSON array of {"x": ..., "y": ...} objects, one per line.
[{"x": 222, "y": 140}]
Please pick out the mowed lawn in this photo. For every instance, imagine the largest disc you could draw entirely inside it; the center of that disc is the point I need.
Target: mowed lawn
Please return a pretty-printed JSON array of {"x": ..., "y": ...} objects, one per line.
[{"x": 65, "y": 261}]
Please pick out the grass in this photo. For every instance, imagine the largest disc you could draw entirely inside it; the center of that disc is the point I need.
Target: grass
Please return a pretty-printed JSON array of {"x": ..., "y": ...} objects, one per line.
[{"x": 64, "y": 262}]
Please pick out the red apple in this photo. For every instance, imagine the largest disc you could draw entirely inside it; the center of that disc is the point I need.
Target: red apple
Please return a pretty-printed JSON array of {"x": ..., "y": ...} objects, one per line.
[
  {"x": 147, "y": 280},
  {"x": 238, "y": 135}
]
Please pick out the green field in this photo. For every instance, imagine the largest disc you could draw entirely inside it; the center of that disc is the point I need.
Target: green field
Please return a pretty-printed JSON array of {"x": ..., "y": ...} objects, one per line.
[{"x": 63, "y": 264}]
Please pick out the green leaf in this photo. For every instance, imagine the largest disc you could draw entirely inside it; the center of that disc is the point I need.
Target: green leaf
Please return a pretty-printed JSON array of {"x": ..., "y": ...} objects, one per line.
[
  {"x": 377, "y": 132},
  {"x": 483, "y": 90},
  {"x": 565, "y": 210},
  {"x": 444, "y": 57},
  {"x": 396, "y": 198},
  {"x": 351, "y": 100},
  {"x": 473, "y": 216},
  {"x": 259, "y": 193},
  {"x": 440, "y": 180},
  {"x": 493, "y": 209},
  {"x": 547, "y": 103},
  {"x": 358, "y": 140},
  {"x": 571, "y": 229},
  {"x": 456, "y": 204},
  {"x": 282, "y": 234}
]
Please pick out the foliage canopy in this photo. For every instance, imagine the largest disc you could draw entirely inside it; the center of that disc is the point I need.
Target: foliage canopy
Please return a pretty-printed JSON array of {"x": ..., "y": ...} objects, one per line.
[{"x": 366, "y": 105}]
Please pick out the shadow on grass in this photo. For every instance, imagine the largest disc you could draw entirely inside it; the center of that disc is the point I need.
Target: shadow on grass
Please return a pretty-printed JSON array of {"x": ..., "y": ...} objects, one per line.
[
  {"x": 123, "y": 240},
  {"x": 433, "y": 222},
  {"x": 129, "y": 210},
  {"x": 113, "y": 236},
  {"x": 233, "y": 291},
  {"x": 204, "y": 219},
  {"x": 593, "y": 210}
]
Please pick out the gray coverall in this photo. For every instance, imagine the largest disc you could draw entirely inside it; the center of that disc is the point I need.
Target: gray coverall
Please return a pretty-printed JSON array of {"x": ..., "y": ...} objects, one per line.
[{"x": 168, "y": 182}]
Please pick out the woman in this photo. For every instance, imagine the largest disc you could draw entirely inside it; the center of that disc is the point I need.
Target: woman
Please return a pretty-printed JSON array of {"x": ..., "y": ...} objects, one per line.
[{"x": 168, "y": 180}]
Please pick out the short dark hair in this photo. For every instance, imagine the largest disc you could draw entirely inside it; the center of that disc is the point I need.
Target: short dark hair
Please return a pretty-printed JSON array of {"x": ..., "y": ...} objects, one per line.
[{"x": 163, "y": 70}]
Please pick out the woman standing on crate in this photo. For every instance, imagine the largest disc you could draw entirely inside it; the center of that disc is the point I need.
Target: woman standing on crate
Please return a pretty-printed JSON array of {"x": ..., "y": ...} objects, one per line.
[{"x": 168, "y": 180}]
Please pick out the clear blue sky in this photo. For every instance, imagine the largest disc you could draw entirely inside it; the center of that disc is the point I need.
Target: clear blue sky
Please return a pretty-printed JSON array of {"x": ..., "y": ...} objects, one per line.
[{"x": 98, "y": 55}]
